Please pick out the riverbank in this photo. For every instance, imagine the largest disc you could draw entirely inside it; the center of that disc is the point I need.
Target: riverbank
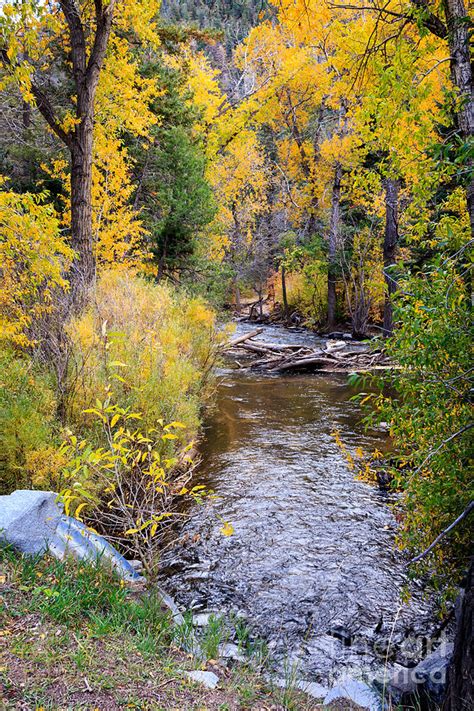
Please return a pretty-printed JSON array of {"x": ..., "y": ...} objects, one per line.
[{"x": 74, "y": 637}]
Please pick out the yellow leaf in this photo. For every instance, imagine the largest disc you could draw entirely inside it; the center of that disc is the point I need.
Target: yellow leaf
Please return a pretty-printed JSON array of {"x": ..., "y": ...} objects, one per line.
[
  {"x": 79, "y": 509},
  {"x": 227, "y": 529}
]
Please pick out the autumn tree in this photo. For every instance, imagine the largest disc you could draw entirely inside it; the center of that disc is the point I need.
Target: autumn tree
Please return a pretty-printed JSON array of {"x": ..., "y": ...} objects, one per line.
[{"x": 55, "y": 53}]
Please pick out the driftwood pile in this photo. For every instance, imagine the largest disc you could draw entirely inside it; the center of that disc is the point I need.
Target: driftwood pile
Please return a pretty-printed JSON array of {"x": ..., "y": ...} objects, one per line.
[{"x": 333, "y": 356}]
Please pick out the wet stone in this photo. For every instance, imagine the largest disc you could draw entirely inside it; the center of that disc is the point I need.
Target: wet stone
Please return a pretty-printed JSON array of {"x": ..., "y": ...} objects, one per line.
[{"x": 231, "y": 651}]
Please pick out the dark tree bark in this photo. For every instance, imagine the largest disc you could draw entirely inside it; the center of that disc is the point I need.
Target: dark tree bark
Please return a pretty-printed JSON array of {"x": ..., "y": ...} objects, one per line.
[
  {"x": 333, "y": 240},
  {"x": 389, "y": 250},
  {"x": 458, "y": 24},
  {"x": 83, "y": 267},
  {"x": 238, "y": 304},
  {"x": 460, "y": 690},
  {"x": 283, "y": 290},
  {"x": 86, "y": 73}
]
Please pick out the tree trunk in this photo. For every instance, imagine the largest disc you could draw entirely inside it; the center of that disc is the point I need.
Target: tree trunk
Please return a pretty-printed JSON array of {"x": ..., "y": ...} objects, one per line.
[
  {"x": 334, "y": 228},
  {"x": 460, "y": 691},
  {"x": 86, "y": 68},
  {"x": 161, "y": 266},
  {"x": 458, "y": 25},
  {"x": 238, "y": 305},
  {"x": 83, "y": 267},
  {"x": 389, "y": 249},
  {"x": 283, "y": 291}
]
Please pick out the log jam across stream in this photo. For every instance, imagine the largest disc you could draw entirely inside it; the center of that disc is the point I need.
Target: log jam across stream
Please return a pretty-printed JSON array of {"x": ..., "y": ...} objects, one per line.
[{"x": 311, "y": 565}]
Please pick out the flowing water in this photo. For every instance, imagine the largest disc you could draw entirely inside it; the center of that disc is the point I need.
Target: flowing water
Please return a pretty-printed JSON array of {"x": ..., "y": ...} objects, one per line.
[{"x": 311, "y": 565}]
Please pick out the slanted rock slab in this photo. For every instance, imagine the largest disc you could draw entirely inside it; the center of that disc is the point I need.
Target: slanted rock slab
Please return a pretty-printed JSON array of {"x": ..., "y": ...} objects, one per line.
[
  {"x": 207, "y": 679},
  {"x": 28, "y": 520},
  {"x": 355, "y": 691}
]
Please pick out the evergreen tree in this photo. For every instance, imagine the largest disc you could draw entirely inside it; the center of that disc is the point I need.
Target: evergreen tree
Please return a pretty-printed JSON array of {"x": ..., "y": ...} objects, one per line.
[{"x": 175, "y": 199}]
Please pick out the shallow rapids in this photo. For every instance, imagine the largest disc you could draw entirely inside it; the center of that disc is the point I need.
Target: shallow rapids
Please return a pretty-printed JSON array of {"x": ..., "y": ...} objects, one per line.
[{"x": 312, "y": 564}]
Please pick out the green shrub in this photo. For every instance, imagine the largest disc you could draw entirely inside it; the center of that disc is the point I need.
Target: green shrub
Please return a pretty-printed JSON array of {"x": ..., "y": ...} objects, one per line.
[
  {"x": 27, "y": 423},
  {"x": 430, "y": 412}
]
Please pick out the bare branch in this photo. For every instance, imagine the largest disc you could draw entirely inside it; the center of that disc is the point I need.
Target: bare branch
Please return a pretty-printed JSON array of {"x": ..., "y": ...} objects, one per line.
[
  {"x": 47, "y": 111},
  {"x": 443, "y": 444},
  {"x": 447, "y": 530}
]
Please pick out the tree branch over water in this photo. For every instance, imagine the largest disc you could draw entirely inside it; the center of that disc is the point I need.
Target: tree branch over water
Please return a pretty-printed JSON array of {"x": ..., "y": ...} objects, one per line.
[{"x": 444, "y": 533}]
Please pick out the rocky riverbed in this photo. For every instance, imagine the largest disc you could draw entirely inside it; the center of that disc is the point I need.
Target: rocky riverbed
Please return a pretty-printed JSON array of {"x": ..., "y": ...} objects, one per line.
[{"x": 312, "y": 565}]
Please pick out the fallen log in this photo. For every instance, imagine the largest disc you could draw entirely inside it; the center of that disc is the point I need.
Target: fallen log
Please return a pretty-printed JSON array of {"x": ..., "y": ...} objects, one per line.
[
  {"x": 282, "y": 357},
  {"x": 303, "y": 363},
  {"x": 280, "y": 346},
  {"x": 241, "y": 339}
]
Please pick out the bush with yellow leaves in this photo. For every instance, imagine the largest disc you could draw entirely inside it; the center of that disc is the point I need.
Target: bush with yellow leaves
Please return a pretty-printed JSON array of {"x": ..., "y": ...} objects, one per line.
[
  {"x": 33, "y": 261},
  {"x": 153, "y": 348},
  {"x": 27, "y": 421},
  {"x": 127, "y": 489}
]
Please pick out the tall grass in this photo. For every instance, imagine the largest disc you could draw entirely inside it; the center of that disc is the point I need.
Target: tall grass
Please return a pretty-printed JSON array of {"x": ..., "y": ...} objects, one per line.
[{"x": 155, "y": 347}]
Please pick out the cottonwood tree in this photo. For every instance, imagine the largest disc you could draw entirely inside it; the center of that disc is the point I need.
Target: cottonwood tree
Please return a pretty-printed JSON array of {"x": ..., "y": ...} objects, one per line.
[
  {"x": 54, "y": 48},
  {"x": 449, "y": 21}
]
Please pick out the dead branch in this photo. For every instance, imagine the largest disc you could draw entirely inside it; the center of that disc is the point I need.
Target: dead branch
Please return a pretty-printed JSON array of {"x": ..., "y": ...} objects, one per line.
[
  {"x": 444, "y": 533},
  {"x": 332, "y": 356},
  {"x": 242, "y": 339}
]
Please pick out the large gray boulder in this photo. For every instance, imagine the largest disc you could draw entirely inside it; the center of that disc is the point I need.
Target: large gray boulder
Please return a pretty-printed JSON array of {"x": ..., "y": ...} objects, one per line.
[
  {"x": 424, "y": 685},
  {"x": 28, "y": 520},
  {"x": 33, "y": 523}
]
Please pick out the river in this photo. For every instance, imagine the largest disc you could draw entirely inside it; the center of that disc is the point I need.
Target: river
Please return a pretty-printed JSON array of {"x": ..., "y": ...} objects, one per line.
[{"x": 312, "y": 564}]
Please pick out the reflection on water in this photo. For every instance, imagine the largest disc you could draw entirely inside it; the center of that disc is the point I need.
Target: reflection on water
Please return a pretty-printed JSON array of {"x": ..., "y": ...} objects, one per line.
[{"x": 311, "y": 563}]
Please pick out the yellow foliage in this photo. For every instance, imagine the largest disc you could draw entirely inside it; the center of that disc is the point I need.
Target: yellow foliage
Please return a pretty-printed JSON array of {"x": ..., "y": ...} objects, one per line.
[
  {"x": 28, "y": 408},
  {"x": 45, "y": 466},
  {"x": 33, "y": 259},
  {"x": 154, "y": 347},
  {"x": 206, "y": 92}
]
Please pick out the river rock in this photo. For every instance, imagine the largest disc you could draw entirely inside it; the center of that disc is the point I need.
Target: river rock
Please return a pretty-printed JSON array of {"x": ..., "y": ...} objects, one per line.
[
  {"x": 402, "y": 684},
  {"x": 425, "y": 683},
  {"x": 207, "y": 679},
  {"x": 355, "y": 691},
  {"x": 311, "y": 688},
  {"x": 202, "y": 619},
  {"x": 231, "y": 651},
  {"x": 432, "y": 671},
  {"x": 28, "y": 520},
  {"x": 341, "y": 633}
]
